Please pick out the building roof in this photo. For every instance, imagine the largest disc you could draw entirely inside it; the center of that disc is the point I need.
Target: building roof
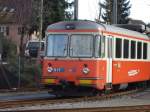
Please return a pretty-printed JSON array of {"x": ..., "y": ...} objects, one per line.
[{"x": 16, "y": 11}]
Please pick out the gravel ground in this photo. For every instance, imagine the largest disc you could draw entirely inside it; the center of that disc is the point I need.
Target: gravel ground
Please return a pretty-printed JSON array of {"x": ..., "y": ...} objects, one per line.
[
  {"x": 24, "y": 95},
  {"x": 142, "y": 98}
]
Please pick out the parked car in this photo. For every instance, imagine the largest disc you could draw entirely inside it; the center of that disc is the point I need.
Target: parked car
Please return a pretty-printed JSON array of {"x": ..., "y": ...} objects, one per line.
[{"x": 33, "y": 49}]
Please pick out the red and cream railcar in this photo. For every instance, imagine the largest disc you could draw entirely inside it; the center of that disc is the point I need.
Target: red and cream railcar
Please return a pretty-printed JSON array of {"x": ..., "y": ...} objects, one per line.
[{"x": 88, "y": 54}]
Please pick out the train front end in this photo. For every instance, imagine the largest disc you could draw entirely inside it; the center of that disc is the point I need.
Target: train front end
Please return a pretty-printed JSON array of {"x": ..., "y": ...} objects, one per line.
[{"x": 71, "y": 59}]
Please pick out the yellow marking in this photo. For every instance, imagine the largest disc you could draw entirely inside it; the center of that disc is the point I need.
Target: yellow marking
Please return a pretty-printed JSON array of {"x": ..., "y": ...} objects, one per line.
[
  {"x": 85, "y": 81},
  {"x": 49, "y": 81}
]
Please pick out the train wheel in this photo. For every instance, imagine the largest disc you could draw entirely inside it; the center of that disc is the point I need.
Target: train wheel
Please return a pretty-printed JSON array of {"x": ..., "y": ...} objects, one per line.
[{"x": 96, "y": 92}]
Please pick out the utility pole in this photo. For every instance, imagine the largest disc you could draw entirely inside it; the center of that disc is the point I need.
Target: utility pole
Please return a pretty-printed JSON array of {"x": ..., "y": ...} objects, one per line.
[
  {"x": 40, "y": 45},
  {"x": 41, "y": 22},
  {"x": 76, "y": 10},
  {"x": 114, "y": 14},
  {"x": 1, "y": 47},
  {"x": 100, "y": 10},
  {"x": 41, "y": 28},
  {"x": 100, "y": 13}
]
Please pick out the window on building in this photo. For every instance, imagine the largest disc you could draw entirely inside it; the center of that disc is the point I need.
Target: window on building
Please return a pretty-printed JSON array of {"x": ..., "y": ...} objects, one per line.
[
  {"x": 118, "y": 47},
  {"x": 144, "y": 50},
  {"x": 2, "y": 29},
  {"x": 7, "y": 31},
  {"x": 19, "y": 30},
  {"x": 133, "y": 49},
  {"x": 139, "y": 50},
  {"x": 126, "y": 49}
]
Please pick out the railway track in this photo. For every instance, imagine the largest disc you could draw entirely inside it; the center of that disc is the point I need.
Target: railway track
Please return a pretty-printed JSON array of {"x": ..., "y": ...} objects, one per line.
[
  {"x": 142, "y": 108},
  {"x": 22, "y": 103},
  {"x": 15, "y": 90}
]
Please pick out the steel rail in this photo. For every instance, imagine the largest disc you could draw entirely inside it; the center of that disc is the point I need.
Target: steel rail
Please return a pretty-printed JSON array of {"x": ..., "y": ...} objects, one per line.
[
  {"x": 20, "y": 103},
  {"x": 141, "y": 108}
]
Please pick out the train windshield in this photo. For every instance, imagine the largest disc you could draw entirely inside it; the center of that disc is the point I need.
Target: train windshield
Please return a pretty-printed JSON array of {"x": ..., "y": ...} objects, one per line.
[
  {"x": 81, "y": 46},
  {"x": 57, "y": 45}
]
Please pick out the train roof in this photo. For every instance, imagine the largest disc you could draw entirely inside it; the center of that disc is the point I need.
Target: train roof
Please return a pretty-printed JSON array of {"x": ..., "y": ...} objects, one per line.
[{"x": 88, "y": 25}]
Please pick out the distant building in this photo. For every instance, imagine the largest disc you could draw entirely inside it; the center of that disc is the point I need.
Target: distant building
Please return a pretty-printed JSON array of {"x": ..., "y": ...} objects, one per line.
[{"x": 14, "y": 14}]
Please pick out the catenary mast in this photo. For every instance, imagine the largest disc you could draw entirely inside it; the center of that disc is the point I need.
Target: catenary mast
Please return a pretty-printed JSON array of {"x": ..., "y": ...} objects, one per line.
[{"x": 76, "y": 10}]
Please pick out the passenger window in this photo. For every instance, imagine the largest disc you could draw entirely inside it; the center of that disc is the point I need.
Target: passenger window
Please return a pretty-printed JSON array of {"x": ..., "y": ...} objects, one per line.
[
  {"x": 97, "y": 46},
  {"x": 100, "y": 46},
  {"x": 126, "y": 49},
  {"x": 132, "y": 50},
  {"x": 103, "y": 47},
  {"x": 144, "y": 50},
  {"x": 118, "y": 47},
  {"x": 139, "y": 50}
]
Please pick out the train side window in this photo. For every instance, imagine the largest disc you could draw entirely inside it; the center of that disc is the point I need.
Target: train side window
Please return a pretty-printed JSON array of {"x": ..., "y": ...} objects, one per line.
[
  {"x": 100, "y": 46},
  {"x": 144, "y": 50},
  {"x": 133, "y": 50},
  {"x": 118, "y": 47},
  {"x": 126, "y": 48},
  {"x": 97, "y": 46},
  {"x": 139, "y": 50},
  {"x": 103, "y": 47}
]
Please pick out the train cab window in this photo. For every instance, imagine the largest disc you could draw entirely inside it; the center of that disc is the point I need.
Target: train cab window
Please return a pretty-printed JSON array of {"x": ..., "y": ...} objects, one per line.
[
  {"x": 126, "y": 48},
  {"x": 118, "y": 47},
  {"x": 57, "y": 45},
  {"x": 81, "y": 45},
  {"x": 139, "y": 50},
  {"x": 144, "y": 50},
  {"x": 133, "y": 49},
  {"x": 100, "y": 46}
]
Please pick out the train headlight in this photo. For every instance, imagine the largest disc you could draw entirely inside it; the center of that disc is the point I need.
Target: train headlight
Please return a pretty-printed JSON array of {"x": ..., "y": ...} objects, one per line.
[
  {"x": 70, "y": 27},
  {"x": 86, "y": 70},
  {"x": 50, "y": 69}
]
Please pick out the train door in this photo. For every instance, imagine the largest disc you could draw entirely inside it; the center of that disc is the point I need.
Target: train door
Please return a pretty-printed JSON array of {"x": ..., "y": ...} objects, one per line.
[{"x": 109, "y": 49}]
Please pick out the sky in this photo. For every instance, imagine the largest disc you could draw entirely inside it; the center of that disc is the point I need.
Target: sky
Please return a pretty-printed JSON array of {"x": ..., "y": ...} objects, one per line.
[{"x": 89, "y": 9}]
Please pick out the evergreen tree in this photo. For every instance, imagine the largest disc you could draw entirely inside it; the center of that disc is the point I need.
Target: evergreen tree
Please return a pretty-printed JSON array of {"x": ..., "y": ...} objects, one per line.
[
  {"x": 107, "y": 6},
  {"x": 148, "y": 25},
  {"x": 123, "y": 11},
  {"x": 53, "y": 11}
]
